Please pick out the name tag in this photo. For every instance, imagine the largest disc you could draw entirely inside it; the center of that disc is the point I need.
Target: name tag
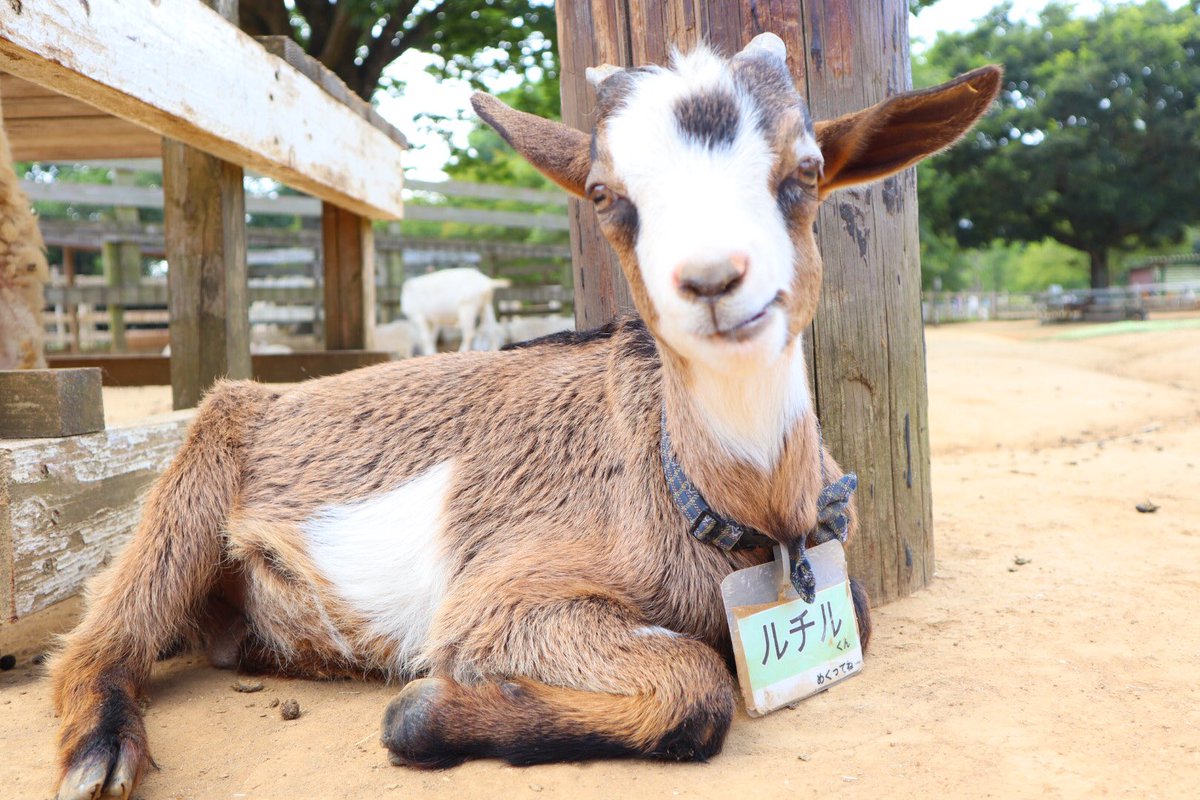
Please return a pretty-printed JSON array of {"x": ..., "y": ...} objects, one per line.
[{"x": 787, "y": 649}]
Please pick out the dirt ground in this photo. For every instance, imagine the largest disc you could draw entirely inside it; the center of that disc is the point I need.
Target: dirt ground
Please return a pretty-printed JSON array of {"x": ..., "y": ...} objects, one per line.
[{"x": 1071, "y": 674}]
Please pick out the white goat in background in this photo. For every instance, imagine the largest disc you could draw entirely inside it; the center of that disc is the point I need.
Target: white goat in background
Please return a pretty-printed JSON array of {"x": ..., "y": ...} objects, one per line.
[{"x": 459, "y": 297}]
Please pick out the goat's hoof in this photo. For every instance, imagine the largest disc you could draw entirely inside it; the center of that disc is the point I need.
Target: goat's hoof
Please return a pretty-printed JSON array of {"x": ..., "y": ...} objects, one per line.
[
  {"x": 103, "y": 771},
  {"x": 410, "y": 728}
]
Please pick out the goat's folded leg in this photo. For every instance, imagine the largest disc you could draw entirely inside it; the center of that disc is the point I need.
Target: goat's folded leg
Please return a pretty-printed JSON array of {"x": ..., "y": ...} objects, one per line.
[{"x": 584, "y": 678}]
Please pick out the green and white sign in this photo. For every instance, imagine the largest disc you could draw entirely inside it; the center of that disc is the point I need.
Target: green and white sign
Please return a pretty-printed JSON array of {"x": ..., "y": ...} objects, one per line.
[{"x": 787, "y": 649}]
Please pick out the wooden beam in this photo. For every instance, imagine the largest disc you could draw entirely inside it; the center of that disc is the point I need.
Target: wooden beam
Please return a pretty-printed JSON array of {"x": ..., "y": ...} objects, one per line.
[
  {"x": 177, "y": 68},
  {"x": 68, "y": 505},
  {"x": 37, "y": 403},
  {"x": 205, "y": 227},
  {"x": 349, "y": 260},
  {"x": 141, "y": 370},
  {"x": 288, "y": 49},
  {"x": 80, "y": 137}
]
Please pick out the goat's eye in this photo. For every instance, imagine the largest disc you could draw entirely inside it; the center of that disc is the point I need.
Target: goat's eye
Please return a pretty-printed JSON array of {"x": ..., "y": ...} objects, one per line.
[
  {"x": 809, "y": 172},
  {"x": 602, "y": 197}
]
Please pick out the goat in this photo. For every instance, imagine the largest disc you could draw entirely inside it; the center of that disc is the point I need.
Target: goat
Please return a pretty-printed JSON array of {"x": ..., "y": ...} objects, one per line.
[
  {"x": 460, "y": 296},
  {"x": 521, "y": 329},
  {"x": 23, "y": 272},
  {"x": 397, "y": 336},
  {"x": 497, "y": 527}
]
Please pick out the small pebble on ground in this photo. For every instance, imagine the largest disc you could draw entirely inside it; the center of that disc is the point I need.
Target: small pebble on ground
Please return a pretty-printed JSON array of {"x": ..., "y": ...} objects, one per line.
[
  {"x": 289, "y": 710},
  {"x": 7, "y": 662},
  {"x": 1146, "y": 507},
  {"x": 248, "y": 687}
]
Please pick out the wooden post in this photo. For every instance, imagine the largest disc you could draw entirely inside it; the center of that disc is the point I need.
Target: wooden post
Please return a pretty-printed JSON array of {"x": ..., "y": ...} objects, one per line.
[
  {"x": 122, "y": 263},
  {"x": 204, "y": 222},
  {"x": 393, "y": 265},
  {"x": 72, "y": 307},
  {"x": 348, "y": 244},
  {"x": 866, "y": 344},
  {"x": 204, "y": 215}
]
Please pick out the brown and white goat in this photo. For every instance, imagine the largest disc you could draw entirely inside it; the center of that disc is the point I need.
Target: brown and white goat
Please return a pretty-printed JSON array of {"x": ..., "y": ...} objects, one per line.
[{"x": 497, "y": 525}]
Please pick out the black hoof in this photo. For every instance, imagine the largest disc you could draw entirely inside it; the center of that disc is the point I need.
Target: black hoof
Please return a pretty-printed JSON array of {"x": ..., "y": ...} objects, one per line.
[
  {"x": 410, "y": 728},
  {"x": 107, "y": 769}
]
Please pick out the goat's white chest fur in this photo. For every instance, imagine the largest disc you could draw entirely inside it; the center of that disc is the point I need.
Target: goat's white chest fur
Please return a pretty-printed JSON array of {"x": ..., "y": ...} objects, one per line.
[{"x": 385, "y": 557}]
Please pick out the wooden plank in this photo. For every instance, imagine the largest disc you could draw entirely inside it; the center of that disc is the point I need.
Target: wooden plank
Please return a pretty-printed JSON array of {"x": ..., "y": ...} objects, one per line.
[
  {"x": 68, "y": 505},
  {"x": 478, "y": 216},
  {"x": 592, "y": 32},
  {"x": 154, "y": 370},
  {"x": 349, "y": 250},
  {"x": 54, "y": 107},
  {"x": 288, "y": 49},
  {"x": 152, "y": 197},
  {"x": 37, "y": 403},
  {"x": 870, "y": 356},
  {"x": 177, "y": 68},
  {"x": 80, "y": 137},
  {"x": 14, "y": 88},
  {"x": 205, "y": 223},
  {"x": 488, "y": 191}
]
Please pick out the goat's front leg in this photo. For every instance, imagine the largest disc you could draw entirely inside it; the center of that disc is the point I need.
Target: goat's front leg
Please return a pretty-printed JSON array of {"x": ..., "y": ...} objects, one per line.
[
  {"x": 467, "y": 314},
  {"x": 567, "y": 680}
]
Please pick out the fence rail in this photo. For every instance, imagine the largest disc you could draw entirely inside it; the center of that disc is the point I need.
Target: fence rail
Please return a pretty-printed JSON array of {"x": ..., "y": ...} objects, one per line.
[
  {"x": 151, "y": 197},
  {"x": 1091, "y": 305}
]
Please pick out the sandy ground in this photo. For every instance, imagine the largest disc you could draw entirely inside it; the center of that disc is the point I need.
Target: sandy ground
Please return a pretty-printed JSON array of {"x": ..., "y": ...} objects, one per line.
[{"x": 1072, "y": 675}]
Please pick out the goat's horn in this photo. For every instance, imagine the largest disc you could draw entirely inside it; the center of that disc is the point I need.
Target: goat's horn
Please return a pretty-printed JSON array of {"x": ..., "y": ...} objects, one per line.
[
  {"x": 767, "y": 44},
  {"x": 597, "y": 75}
]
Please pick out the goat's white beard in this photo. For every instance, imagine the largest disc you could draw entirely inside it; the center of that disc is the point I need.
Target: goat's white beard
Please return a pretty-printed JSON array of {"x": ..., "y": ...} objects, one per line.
[{"x": 751, "y": 394}]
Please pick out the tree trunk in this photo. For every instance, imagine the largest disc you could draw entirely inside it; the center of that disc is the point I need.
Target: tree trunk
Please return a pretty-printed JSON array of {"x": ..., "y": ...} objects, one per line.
[
  {"x": 1100, "y": 276},
  {"x": 867, "y": 343}
]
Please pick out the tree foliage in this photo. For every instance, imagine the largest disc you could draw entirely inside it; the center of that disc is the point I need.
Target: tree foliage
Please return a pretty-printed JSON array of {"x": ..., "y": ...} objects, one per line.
[
  {"x": 358, "y": 39},
  {"x": 1096, "y": 139}
]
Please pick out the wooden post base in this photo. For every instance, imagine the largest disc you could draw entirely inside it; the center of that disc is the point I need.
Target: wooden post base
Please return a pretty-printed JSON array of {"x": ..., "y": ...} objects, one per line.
[{"x": 40, "y": 403}]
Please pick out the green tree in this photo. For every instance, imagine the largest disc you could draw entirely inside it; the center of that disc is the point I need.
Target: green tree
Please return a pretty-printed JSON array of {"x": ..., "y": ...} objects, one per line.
[
  {"x": 1095, "y": 140},
  {"x": 358, "y": 39}
]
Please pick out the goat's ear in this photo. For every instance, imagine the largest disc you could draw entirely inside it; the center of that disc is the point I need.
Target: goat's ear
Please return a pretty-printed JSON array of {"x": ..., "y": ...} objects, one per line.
[
  {"x": 882, "y": 140},
  {"x": 558, "y": 151}
]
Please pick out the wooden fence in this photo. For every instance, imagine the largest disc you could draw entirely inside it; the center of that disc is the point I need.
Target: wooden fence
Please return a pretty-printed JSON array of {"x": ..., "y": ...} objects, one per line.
[
  {"x": 1092, "y": 305},
  {"x": 89, "y": 312}
]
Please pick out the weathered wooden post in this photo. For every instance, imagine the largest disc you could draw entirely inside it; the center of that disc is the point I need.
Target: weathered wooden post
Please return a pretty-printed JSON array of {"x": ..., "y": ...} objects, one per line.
[
  {"x": 204, "y": 209},
  {"x": 122, "y": 264},
  {"x": 348, "y": 241},
  {"x": 867, "y": 351}
]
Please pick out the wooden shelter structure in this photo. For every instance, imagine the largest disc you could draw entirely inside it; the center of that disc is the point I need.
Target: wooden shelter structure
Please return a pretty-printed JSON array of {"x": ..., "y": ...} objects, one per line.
[
  {"x": 172, "y": 78},
  {"x": 866, "y": 345},
  {"x": 107, "y": 79}
]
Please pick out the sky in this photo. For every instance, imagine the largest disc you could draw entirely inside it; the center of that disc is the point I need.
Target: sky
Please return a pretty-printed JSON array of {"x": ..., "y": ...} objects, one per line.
[{"x": 450, "y": 98}]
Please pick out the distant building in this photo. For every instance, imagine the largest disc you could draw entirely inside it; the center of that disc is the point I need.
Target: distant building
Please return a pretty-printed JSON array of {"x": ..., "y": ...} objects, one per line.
[{"x": 1169, "y": 270}]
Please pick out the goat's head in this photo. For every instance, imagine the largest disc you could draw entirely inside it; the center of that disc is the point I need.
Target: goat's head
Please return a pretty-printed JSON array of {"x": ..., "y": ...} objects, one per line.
[{"x": 706, "y": 178}]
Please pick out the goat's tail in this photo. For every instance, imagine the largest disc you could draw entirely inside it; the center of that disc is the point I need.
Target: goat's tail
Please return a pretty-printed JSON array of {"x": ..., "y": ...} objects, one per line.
[
  {"x": 150, "y": 596},
  {"x": 501, "y": 283}
]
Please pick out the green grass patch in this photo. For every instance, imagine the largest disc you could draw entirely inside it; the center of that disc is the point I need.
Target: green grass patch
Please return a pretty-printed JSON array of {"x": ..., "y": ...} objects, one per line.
[{"x": 1127, "y": 326}]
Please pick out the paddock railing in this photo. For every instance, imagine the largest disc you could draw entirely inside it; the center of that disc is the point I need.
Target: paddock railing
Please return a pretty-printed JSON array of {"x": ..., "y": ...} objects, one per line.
[
  {"x": 88, "y": 312},
  {"x": 1114, "y": 303}
]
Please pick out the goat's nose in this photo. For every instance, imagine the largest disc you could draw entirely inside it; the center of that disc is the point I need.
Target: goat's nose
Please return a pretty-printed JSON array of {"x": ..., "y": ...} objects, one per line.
[{"x": 710, "y": 279}]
